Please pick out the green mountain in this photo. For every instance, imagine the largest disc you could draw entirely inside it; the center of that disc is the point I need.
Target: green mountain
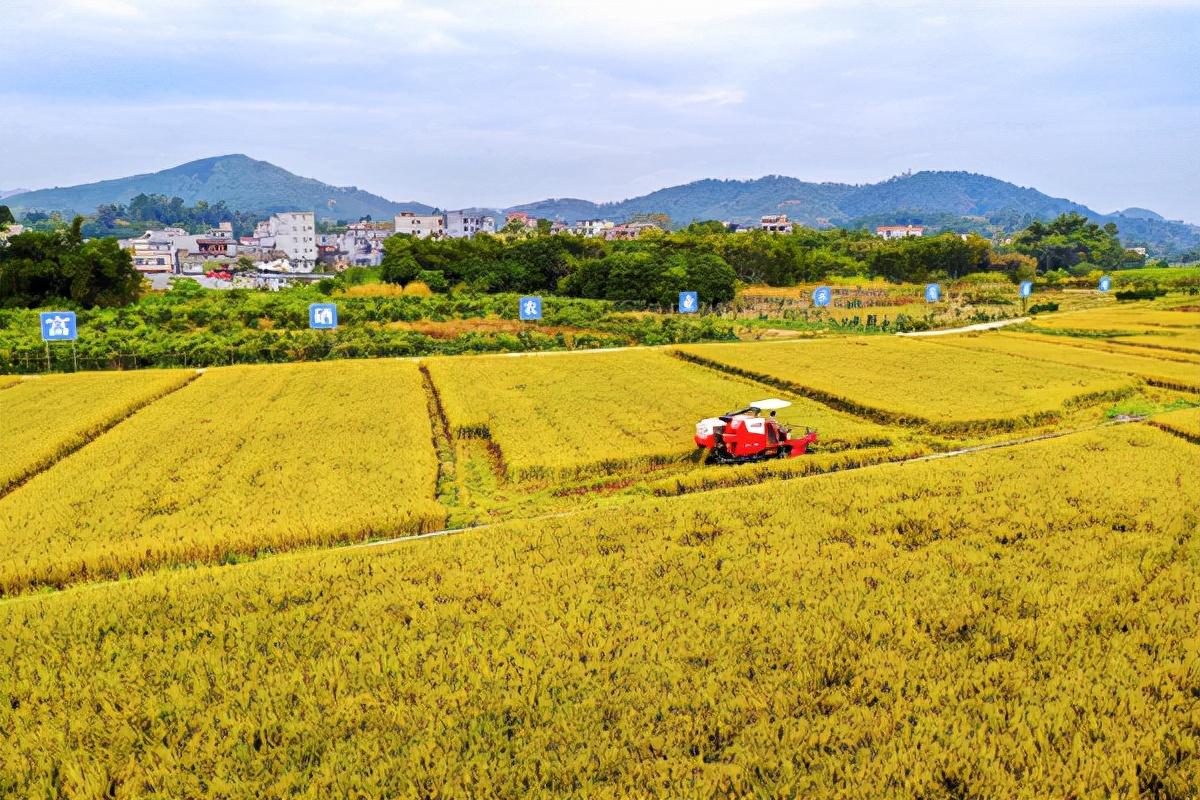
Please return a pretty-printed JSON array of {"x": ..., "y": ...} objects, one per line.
[
  {"x": 242, "y": 182},
  {"x": 957, "y": 193},
  {"x": 958, "y": 201}
]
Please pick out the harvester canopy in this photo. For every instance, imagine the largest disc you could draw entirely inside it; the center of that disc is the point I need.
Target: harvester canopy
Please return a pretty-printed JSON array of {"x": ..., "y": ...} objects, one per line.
[{"x": 770, "y": 404}]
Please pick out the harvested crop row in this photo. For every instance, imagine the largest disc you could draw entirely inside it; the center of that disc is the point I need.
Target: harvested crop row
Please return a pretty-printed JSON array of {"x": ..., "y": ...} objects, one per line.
[
  {"x": 244, "y": 460},
  {"x": 702, "y": 480},
  {"x": 43, "y": 419},
  {"x": 557, "y": 416},
  {"x": 1167, "y": 374},
  {"x": 1018, "y": 623},
  {"x": 1185, "y": 423},
  {"x": 905, "y": 382}
]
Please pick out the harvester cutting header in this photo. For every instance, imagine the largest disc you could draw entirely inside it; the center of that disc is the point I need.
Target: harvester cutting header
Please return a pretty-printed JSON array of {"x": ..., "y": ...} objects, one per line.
[{"x": 742, "y": 436}]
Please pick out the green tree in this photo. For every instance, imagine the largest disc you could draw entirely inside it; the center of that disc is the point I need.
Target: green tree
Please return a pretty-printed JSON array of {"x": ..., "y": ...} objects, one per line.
[
  {"x": 38, "y": 267},
  {"x": 6, "y": 217}
]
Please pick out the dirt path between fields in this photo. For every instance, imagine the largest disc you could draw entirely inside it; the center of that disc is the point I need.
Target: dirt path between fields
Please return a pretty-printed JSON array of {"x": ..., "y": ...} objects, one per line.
[{"x": 978, "y": 326}]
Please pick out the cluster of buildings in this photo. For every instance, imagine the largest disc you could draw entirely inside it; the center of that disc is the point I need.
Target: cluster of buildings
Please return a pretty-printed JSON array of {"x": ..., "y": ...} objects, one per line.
[{"x": 288, "y": 242}]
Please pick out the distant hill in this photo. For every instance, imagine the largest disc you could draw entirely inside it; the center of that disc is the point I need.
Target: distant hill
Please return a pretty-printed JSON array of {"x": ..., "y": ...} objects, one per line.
[
  {"x": 10, "y": 192},
  {"x": 1139, "y": 213},
  {"x": 959, "y": 193},
  {"x": 942, "y": 200},
  {"x": 242, "y": 182},
  {"x": 731, "y": 200}
]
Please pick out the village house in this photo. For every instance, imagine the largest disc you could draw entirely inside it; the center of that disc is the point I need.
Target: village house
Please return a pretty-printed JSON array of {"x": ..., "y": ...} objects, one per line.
[
  {"x": 288, "y": 234},
  {"x": 521, "y": 217},
  {"x": 465, "y": 224},
  {"x": 775, "y": 223},
  {"x": 591, "y": 227},
  {"x": 899, "y": 231},
  {"x": 420, "y": 226},
  {"x": 629, "y": 230}
]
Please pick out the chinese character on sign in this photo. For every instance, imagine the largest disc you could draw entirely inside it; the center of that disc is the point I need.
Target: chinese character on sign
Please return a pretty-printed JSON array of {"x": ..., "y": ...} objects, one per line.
[
  {"x": 531, "y": 307},
  {"x": 58, "y": 326},
  {"x": 689, "y": 302},
  {"x": 933, "y": 293},
  {"x": 821, "y": 296},
  {"x": 1026, "y": 288},
  {"x": 322, "y": 315},
  {"x": 1105, "y": 283}
]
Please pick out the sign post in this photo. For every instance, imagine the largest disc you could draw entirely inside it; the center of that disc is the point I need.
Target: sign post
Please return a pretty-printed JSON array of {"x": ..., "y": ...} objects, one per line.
[
  {"x": 323, "y": 316},
  {"x": 530, "y": 308},
  {"x": 933, "y": 293},
  {"x": 1026, "y": 290},
  {"x": 59, "y": 326},
  {"x": 1105, "y": 283},
  {"x": 689, "y": 302},
  {"x": 821, "y": 296}
]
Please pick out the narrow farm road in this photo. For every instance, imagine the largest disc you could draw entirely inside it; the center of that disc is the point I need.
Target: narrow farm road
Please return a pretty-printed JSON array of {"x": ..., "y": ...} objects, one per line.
[{"x": 978, "y": 326}]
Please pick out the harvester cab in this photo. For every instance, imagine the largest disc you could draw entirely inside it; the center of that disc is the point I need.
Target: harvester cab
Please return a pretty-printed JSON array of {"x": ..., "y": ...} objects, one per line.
[{"x": 745, "y": 435}]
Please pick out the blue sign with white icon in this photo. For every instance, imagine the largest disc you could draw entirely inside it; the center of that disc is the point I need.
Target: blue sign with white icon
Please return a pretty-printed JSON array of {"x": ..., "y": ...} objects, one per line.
[
  {"x": 689, "y": 302},
  {"x": 58, "y": 326},
  {"x": 531, "y": 308},
  {"x": 933, "y": 293},
  {"x": 322, "y": 315},
  {"x": 1105, "y": 283},
  {"x": 1026, "y": 288},
  {"x": 822, "y": 296}
]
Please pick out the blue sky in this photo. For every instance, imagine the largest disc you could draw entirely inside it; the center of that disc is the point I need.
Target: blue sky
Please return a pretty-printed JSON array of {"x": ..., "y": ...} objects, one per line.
[{"x": 460, "y": 104}]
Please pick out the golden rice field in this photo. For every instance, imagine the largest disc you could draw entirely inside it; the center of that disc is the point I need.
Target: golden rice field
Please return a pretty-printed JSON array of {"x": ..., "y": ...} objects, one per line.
[
  {"x": 1142, "y": 316},
  {"x": 938, "y": 602},
  {"x": 44, "y": 418},
  {"x": 241, "y": 461},
  {"x": 1181, "y": 375},
  {"x": 1020, "y": 623},
  {"x": 571, "y": 414},
  {"x": 911, "y": 382},
  {"x": 1106, "y": 345}
]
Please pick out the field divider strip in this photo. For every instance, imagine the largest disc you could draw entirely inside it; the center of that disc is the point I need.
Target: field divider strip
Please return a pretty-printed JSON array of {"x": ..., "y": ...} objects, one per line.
[
  {"x": 90, "y": 435},
  {"x": 865, "y": 412},
  {"x": 1171, "y": 429},
  {"x": 443, "y": 441}
]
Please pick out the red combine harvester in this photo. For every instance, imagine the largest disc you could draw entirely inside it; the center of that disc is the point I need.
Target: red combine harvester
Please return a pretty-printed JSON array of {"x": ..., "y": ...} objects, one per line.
[{"x": 743, "y": 436}]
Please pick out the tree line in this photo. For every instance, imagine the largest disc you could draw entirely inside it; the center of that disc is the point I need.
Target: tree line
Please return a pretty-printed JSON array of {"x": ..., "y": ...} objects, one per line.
[
  {"x": 703, "y": 257},
  {"x": 39, "y": 266}
]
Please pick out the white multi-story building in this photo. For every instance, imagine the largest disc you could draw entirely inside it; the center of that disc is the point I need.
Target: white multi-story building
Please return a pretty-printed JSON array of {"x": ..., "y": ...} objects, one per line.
[
  {"x": 899, "y": 231},
  {"x": 294, "y": 233},
  {"x": 421, "y": 226},
  {"x": 464, "y": 224}
]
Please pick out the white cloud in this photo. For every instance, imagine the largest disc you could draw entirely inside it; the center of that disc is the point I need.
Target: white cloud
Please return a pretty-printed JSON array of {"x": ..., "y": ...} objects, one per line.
[{"x": 679, "y": 99}]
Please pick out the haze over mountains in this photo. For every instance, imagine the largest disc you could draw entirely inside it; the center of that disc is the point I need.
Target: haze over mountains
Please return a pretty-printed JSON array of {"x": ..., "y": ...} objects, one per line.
[{"x": 941, "y": 199}]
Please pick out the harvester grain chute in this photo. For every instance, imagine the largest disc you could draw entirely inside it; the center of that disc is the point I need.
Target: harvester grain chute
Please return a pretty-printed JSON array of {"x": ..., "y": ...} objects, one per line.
[{"x": 743, "y": 436}]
